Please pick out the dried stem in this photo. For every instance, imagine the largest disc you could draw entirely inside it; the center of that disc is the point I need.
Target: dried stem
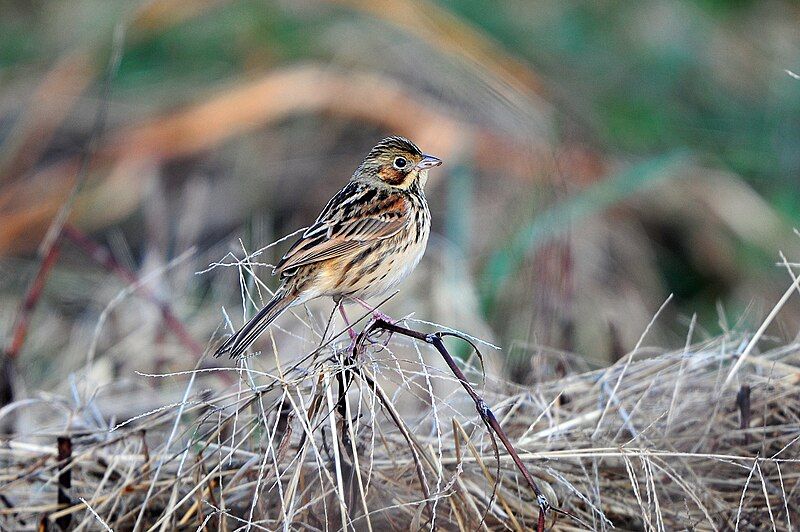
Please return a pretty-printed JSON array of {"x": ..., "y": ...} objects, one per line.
[
  {"x": 743, "y": 402},
  {"x": 64, "y": 479},
  {"x": 484, "y": 411},
  {"x": 32, "y": 296}
]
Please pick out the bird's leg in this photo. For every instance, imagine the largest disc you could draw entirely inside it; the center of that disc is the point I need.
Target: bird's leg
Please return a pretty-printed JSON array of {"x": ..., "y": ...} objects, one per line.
[
  {"x": 377, "y": 314},
  {"x": 350, "y": 330}
]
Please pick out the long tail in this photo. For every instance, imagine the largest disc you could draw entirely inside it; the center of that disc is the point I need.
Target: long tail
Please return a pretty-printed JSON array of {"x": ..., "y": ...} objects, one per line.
[{"x": 237, "y": 344}]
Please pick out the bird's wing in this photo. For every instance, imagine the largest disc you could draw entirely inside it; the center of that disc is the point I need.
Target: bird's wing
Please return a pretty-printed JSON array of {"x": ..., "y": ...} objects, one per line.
[{"x": 351, "y": 220}]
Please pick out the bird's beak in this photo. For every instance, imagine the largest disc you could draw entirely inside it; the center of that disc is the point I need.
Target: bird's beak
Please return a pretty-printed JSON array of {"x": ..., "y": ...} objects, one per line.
[{"x": 428, "y": 161}]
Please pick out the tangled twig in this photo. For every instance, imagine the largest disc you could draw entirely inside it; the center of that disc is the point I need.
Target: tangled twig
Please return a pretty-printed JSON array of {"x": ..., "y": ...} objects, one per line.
[{"x": 484, "y": 411}]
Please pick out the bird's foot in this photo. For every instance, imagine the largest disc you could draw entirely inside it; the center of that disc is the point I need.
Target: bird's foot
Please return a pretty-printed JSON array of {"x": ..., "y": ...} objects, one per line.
[{"x": 376, "y": 314}]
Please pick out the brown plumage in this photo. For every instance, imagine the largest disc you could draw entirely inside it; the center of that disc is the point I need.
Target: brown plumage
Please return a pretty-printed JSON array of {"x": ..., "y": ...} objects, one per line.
[{"x": 367, "y": 239}]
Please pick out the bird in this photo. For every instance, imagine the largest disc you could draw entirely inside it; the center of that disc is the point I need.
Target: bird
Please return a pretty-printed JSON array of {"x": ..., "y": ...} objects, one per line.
[{"x": 368, "y": 238}]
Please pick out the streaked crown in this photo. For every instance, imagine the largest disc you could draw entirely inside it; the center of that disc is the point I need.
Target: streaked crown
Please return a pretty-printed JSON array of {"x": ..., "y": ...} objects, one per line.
[{"x": 396, "y": 161}]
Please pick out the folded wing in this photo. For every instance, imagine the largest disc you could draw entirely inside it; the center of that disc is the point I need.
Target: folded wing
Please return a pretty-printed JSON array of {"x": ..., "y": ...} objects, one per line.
[{"x": 338, "y": 232}]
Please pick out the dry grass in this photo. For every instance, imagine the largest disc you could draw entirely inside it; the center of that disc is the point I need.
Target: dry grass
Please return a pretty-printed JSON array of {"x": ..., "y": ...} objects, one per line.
[
  {"x": 654, "y": 442},
  {"x": 124, "y": 428}
]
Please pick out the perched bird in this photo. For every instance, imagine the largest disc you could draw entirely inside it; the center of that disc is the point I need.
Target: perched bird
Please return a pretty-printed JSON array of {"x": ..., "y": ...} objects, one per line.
[{"x": 367, "y": 239}]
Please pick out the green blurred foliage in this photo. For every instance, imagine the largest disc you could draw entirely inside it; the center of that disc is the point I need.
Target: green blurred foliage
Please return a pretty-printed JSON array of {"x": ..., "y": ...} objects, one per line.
[
  {"x": 644, "y": 78},
  {"x": 646, "y": 73}
]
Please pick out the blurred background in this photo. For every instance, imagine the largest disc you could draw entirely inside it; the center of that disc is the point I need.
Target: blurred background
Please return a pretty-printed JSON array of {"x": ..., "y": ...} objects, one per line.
[{"x": 600, "y": 156}]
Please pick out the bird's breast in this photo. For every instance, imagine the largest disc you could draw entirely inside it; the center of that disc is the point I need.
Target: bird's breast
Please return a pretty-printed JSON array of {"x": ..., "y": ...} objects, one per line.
[{"x": 378, "y": 266}]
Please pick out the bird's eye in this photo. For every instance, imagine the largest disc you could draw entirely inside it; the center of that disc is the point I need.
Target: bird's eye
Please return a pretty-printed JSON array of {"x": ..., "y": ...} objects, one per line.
[{"x": 400, "y": 162}]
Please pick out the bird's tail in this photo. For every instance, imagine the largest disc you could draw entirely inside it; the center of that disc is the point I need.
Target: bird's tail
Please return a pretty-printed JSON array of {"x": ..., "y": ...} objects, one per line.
[{"x": 237, "y": 344}]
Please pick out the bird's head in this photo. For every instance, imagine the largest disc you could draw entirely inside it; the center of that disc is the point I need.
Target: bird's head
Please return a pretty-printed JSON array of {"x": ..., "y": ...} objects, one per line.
[{"x": 396, "y": 162}]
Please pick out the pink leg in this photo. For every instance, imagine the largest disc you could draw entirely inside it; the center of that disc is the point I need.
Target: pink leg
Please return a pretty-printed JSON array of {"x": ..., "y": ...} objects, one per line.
[
  {"x": 350, "y": 330},
  {"x": 377, "y": 314}
]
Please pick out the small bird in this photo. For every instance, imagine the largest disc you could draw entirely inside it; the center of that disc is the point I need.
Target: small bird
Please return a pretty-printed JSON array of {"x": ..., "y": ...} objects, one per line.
[{"x": 368, "y": 238}]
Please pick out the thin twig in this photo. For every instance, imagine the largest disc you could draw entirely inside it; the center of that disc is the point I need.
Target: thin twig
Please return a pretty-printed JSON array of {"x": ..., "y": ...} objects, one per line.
[
  {"x": 32, "y": 296},
  {"x": 484, "y": 411},
  {"x": 64, "y": 479}
]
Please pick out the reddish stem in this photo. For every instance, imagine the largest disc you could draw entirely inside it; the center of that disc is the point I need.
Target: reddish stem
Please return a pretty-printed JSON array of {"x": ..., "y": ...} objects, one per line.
[
  {"x": 32, "y": 296},
  {"x": 484, "y": 411}
]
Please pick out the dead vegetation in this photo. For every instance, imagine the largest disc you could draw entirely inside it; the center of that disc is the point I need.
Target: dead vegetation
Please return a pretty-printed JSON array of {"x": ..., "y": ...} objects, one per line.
[
  {"x": 119, "y": 421},
  {"x": 309, "y": 435}
]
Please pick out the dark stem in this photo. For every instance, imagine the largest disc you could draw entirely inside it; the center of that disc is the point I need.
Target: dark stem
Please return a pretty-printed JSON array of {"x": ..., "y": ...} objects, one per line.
[
  {"x": 406, "y": 435},
  {"x": 484, "y": 411},
  {"x": 64, "y": 479},
  {"x": 743, "y": 402},
  {"x": 615, "y": 343},
  {"x": 28, "y": 305},
  {"x": 22, "y": 322}
]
